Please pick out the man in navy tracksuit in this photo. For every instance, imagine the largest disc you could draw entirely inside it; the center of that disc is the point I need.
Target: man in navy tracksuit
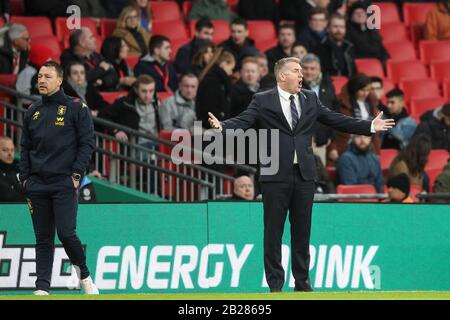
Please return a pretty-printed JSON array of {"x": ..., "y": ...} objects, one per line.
[{"x": 57, "y": 145}]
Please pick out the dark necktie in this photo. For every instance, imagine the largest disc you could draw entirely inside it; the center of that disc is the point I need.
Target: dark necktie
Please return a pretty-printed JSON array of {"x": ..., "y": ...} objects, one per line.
[{"x": 294, "y": 112}]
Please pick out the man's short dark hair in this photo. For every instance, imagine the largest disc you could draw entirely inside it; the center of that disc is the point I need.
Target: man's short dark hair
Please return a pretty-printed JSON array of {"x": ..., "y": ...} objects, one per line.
[
  {"x": 286, "y": 26},
  {"x": 240, "y": 21},
  {"x": 188, "y": 75},
  {"x": 57, "y": 66},
  {"x": 75, "y": 38},
  {"x": 318, "y": 10},
  {"x": 68, "y": 68},
  {"x": 376, "y": 79},
  {"x": 156, "y": 41},
  {"x": 395, "y": 93},
  {"x": 203, "y": 23}
]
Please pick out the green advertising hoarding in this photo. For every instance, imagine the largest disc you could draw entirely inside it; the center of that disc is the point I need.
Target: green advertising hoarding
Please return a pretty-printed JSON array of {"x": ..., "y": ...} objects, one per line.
[{"x": 217, "y": 247}]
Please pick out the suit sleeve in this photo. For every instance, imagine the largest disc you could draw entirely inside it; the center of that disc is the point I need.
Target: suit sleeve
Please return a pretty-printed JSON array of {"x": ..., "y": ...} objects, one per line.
[
  {"x": 245, "y": 119},
  {"x": 342, "y": 122},
  {"x": 85, "y": 138},
  {"x": 25, "y": 144}
]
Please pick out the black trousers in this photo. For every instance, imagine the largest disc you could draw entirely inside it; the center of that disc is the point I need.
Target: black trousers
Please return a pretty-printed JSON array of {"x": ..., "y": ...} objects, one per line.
[
  {"x": 53, "y": 205},
  {"x": 295, "y": 195}
]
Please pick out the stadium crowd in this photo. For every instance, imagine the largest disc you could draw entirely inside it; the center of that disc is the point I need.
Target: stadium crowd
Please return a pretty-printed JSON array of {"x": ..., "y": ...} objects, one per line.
[{"x": 161, "y": 79}]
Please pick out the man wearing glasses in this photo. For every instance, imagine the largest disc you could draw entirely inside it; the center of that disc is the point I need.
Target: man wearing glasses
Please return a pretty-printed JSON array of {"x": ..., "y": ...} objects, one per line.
[{"x": 14, "y": 53}]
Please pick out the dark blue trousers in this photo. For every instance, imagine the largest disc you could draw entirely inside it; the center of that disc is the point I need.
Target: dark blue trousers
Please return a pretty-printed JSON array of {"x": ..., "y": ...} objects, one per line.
[{"x": 53, "y": 205}]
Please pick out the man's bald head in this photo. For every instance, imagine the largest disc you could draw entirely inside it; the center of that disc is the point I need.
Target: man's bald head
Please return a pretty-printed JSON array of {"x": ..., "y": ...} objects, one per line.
[
  {"x": 244, "y": 188},
  {"x": 6, "y": 150}
]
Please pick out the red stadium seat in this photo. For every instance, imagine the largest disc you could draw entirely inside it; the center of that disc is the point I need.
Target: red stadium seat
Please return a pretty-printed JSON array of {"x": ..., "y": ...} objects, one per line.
[
  {"x": 371, "y": 67},
  {"x": 221, "y": 30},
  {"x": 393, "y": 32},
  {"x": 356, "y": 189},
  {"x": 338, "y": 83},
  {"x": 110, "y": 97},
  {"x": 132, "y": 60},
  {"x": 440, "y": 70},
  {"x": 107, "y": 27},
  {"x": 416, "y": 13},
  {"x": 404, "y": 70},
  {"x": 62, "y": 31},
  {"x": 434, "y": 50},
  {"x": 8, "y": 80},
  {"x": 17, "y": 7},
  {"x": 420, "y": 88},
  {"x": 446, "y": 86},
  {"x": 172, "y": 29},
  {"x": 389, "y": 12},
  {"x": 420, "y": 105},
  {"x": 261, "y": 30},
  {"x": 50, "y": 42},
  {"x": 37, "y": 26},
  {"x": 401, "y": 51},
  {"x": 437, "y": 159},
  {"x": 386, "y": 157},
  {"x": 165, "y": 10}
]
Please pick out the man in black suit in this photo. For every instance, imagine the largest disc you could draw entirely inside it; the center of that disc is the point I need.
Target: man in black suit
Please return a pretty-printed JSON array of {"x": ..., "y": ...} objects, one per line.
[{"x": 292, "y": 112}]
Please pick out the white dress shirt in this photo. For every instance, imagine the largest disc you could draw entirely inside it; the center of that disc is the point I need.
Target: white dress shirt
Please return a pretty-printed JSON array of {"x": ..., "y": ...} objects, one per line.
[{"x": 286, "y": 107}]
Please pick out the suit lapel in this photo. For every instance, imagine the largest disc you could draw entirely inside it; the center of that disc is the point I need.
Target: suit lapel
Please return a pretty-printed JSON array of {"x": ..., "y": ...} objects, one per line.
[{"x": 278, "y": 109}]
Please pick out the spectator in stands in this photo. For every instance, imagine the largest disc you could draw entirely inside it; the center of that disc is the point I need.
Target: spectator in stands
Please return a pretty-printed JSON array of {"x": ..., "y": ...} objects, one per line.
[
  {"x": 316, "y": 31},
  {"x": 335, "y": 52},
  {"x": 115, "y": 51},
  {"x": 267, "y": 78},
  {"x": 259, "y": 10},
  {"x": 202, "y": 58},
  {"x": 354, "y": 101},
  {"x": 138, "y": 111},
  {"x": 5, "y": 11},
  {"x": 239, "y": 44},
  {"x": 299, "y": 51},
  {"x": 377, "y": 92},
  {"x": 442, "y": 182},
  {"x": 243, "y": 90},
  {"x": 210, "y": 9},
  {"x": 15, "y": 49},
  {"x": 367, "y": 41},
  {"x": 10, "y": 187},
  {"x": 286, "y": 40},
  {"x": 400, "y": 135},
  {"x": 436, "y": 125},
  {"x": 399, "y": 188},
  {"x": 129, "y": 29},
  {"x": 323, "y": 182},
  {"x": 300, "y": 10},
  {"x": 82, "y": 46},
  {"x": 437, "y": 25},
  {"x": 359, "y": 164},
  {"x": 178, "y": 111},
  {"x": 321, "y": 84},
  {"x": 244, "y": 189},
  {"x": 27, "y": 79},
  {"x": 156, "y": 64},
  {"x": 76, "y": 85},
  {"x": 145, "y": 12},
  {"x": 203, "y": 36},
  {"x": 214, "y": 90},
  {"x": 412, "y": 160}
]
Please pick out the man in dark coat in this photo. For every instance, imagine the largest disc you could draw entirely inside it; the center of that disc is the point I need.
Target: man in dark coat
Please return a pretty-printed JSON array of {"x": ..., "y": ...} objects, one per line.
[
  {"x": 313, "y": 34},
  {"x": 286, "y": 40},
  {"x": 367, "y": 42},
  {"x": 239, "y": 44},
  {"x": 10, "y": 188},
  {"x": 436, "y": 124},
  {"x": 242, "y": 91},
  {"x": 15, "y": 50},
  {"x": 336, "y": 54}
]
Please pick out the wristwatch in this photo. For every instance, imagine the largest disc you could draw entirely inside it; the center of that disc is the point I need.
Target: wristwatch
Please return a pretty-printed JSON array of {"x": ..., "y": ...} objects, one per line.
[{"x": 76, "y": 176}]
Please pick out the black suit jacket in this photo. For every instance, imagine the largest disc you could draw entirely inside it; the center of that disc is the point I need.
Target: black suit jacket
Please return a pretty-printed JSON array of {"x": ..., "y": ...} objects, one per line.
[{"x": 265, "y": 112}]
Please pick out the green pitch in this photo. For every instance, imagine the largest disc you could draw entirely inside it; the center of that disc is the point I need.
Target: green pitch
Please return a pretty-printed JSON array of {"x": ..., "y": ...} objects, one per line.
[{"x": 353, "y": 295}]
